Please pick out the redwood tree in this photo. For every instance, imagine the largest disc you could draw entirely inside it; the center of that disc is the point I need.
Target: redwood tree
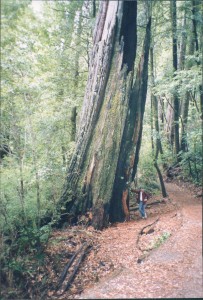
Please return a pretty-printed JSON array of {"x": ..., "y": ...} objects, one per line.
[
  {"x": 175, "y": 67},
  {"x": 109, "y": 136}
]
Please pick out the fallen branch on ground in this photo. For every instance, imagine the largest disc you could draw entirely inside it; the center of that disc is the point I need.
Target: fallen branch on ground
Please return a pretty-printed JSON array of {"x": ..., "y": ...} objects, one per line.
[
  {"x": 141, "y": 232},
  {"x": 65, "y": 270},
  {"x": 76, "y": 268}
]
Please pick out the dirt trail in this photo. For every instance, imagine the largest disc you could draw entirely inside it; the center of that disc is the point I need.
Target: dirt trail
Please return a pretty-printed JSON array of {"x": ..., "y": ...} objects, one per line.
[{"x": 172, "y": 268}]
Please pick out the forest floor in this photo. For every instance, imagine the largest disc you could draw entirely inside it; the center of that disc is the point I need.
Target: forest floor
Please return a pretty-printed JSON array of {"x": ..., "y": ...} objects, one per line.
[{"x": 157, "y": 257}]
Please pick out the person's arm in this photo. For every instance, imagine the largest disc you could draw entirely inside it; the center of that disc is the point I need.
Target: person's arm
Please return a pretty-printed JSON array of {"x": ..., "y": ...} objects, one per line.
[
  {"x": 146, "y": 195},
  {"x": 134, "y": 191}
]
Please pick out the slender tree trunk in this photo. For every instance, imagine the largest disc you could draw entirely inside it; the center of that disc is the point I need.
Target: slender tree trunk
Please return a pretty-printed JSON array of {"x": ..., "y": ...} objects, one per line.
[
  {"x": 175, "y": 67},
  {"x": 169, "y": 129},
  {"x": 92, "y": 177},
  {"x": 158, "y": 146},
  {"x": 155, "y": 105},
  {"x": 183, "y": 43},
  {"x": 152, "y": 128},
  {"x": 93, "y": 8},
  {"x": 194, "y": 27},
  {"x": 185, "y": 101},
  {"x": 73, "y": 124},
  {"x": 76, "y": 39},
  {"x": 63, "y": 151},
  {"x": 163, "y": 189},
  {"x": 201, "y": 100},
  {"x": 185, "y": 109},
  {"x": 193, "y": 45},
  {"x": 161, "y": 110},
  {"x": 195, "y": 7},
  {"x": 22, "y": 190}
]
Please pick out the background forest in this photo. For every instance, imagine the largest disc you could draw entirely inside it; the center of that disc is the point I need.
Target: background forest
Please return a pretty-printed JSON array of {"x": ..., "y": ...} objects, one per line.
[{"x": 45, "y": 54}]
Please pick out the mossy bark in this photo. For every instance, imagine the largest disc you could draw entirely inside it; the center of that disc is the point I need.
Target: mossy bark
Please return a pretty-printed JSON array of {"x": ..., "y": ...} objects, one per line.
[{"x": 131, "y": 139}]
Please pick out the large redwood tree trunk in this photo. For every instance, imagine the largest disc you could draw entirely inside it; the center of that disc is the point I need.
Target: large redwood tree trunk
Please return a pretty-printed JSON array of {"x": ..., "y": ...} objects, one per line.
[
  {"x": 94, "y": 166},
  {"x": 131, "y": 140}
]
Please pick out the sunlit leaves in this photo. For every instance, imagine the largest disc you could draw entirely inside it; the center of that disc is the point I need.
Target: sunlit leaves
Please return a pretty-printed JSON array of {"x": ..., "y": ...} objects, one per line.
[{"x": 38, "y": 92}]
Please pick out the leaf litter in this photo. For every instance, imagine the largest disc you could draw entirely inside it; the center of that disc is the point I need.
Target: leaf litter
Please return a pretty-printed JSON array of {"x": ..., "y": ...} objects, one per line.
[{"x": 135, "y": 259}]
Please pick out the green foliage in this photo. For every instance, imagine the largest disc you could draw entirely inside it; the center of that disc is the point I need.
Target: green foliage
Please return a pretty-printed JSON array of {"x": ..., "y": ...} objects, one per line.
[
  {"x": 33, "y": 238},
  {"x": 157, "y": 242},
  {"x": 44, "y": 72},
  {"x": 183, "y": 81},
  {"x": 38, "y": 93},
  {"x": 146, "y": 173},
  {"x": 191, "y": 161},
  {"x": 22, "y": 252}
]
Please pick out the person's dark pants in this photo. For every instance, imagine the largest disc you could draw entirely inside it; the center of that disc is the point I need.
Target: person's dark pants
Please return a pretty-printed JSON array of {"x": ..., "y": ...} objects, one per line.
[{"x": 142, "y": 209}]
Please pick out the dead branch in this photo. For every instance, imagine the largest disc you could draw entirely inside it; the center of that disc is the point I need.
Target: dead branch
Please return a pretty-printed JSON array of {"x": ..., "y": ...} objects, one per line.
[
  {"x": 86, "y": 246},
  {"x": 142, "y": 230},
  {"x": 65, "y": 270}
]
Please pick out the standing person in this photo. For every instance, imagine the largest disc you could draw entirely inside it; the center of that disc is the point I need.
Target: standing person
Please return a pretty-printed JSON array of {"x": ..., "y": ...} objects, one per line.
[{"x": 142, "y": 201}]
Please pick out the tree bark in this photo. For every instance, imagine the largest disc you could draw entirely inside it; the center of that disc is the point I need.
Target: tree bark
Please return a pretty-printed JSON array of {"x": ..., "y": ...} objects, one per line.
[
  {"x": 76, "y": 40},
  {"x": 195, "y": 8},
  {"x": 131, "y": 141},
  {"x": 73, "y": 123},
  {"x": 183, "y": 43},
  {"x": 169, "y": 129},
  {"x": 194, "y": 27},
  {"x": 154, "y": 106},
  {"x": 158, "y": 145},
  {"x": 192, "y": 46},
  {"x": 92, "y": 171},
  {"x": 185, "y": 101},
  {"x": 175, "y": 67}
]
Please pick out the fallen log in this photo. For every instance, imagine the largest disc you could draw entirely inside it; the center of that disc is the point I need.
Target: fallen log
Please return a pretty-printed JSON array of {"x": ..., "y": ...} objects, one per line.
[
  {"x": 76, "y": 267},
  {"x": 65, "y": 270}
]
